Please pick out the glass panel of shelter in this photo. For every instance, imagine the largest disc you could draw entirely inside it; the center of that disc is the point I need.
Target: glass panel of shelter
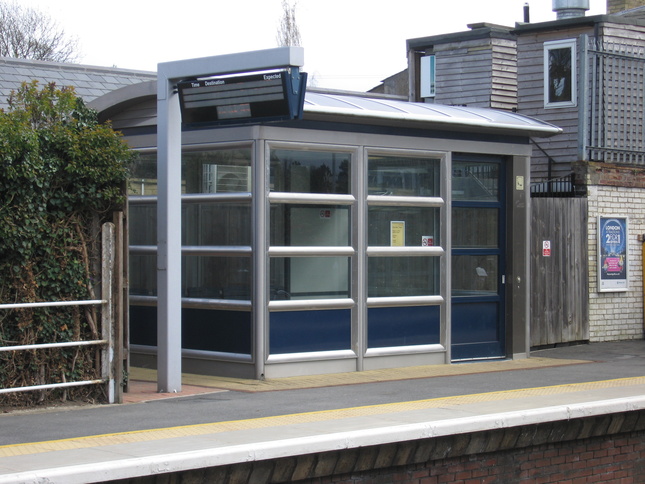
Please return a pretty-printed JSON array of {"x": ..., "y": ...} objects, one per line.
[
  {"x": 475, "y": 227},
  {"x": 217, "y": 170},
  {"x": 310, "y": 171},
  {"x": 142, "y": 222},
  {"x": 404, "y": 212},
  {"x": 143, "y": 175},
  {"x": 307, "y": 225},
  {"x": 307, "y": 228},
  {"x": 217, "y": 174}
]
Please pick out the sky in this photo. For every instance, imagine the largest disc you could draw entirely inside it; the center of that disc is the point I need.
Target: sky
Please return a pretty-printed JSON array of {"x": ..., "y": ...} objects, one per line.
[{"x": 348, "y": 44}]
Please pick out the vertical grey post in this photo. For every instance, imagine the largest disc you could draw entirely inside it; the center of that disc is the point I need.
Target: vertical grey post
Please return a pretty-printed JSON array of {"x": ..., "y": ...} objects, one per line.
[
  {"x": 359, "y": 289},
  {"x": 446, "y": 260},
  {"x": 169, "y": 191},
  {"x": 519, "y": 261},
  {"x": 260, "y": 260},
  {"x": 583, "y": 98},
  {"x": 413, "y": 67},
  {"x": 168, "y": 235}
]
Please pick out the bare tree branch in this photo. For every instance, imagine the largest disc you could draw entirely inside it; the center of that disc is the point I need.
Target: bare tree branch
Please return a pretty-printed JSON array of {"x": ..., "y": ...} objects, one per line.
[
  {"x": 288, "y": 32},
  {"x": 26, "y": 33}
]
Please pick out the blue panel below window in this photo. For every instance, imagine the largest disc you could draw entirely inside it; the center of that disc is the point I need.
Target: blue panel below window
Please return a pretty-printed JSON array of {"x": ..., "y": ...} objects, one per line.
[
  {"x": 475, "y": 322},
  {"x": 143, "y": 325},
  {"x": 217, "y": 330},
  {"x": 202, "y": 329},
  {"x": 403, "y": 326},
  {"x": 306, "y": 331}
]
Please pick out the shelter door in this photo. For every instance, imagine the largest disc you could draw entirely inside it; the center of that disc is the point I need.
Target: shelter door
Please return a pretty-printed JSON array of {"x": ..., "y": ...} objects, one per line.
[{"x": 478, "y": 258}]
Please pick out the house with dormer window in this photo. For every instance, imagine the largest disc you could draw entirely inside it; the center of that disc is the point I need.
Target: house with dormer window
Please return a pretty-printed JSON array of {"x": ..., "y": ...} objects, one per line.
[{"x": 585, "y": 74}]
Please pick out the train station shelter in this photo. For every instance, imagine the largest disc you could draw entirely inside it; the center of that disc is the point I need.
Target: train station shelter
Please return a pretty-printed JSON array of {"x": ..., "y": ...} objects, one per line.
[{"x": 277, "y": 230}]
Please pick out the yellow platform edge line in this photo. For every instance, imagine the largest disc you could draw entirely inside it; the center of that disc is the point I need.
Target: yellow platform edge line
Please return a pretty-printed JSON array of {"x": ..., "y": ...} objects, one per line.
[{"x": 195, "y": 429}]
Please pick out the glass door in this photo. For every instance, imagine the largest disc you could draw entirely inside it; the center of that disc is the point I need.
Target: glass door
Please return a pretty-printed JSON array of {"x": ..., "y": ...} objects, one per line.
[{"x": 478, "y": 258}]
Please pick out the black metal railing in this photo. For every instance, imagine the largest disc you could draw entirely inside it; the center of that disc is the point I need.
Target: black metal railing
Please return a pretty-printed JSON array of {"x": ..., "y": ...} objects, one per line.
[{"x": 557, "y": 187}]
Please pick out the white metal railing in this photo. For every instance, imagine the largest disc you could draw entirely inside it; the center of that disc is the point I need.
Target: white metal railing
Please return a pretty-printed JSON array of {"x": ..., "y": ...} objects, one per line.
[
  {"x": 107, "y": 331},
  {"x": 89, "y": 302},
  {"x": 102, "y": 342}
]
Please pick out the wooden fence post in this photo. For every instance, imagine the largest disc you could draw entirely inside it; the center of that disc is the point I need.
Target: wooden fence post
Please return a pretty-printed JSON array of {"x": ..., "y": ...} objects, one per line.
[
  {"x": 121, "y": 338},
  {"x": 107, "y": 310}
]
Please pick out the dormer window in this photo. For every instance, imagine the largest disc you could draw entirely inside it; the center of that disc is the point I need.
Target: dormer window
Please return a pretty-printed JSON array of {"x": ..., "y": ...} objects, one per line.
[
  {"x": 560, "y": 73},
  {"x": 428, "y": 76}
]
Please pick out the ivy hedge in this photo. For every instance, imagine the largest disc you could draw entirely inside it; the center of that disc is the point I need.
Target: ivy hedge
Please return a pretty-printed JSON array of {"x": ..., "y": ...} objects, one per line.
[{"x": 62, "y": 175}]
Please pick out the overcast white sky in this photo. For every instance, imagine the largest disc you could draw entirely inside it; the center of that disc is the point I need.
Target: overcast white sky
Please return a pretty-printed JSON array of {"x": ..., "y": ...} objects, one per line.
[{"x": 349, "y": 44}]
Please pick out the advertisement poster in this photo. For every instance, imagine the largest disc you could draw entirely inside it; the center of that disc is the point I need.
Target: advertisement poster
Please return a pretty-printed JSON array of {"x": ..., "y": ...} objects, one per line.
[{"x": 612, "y": 251}]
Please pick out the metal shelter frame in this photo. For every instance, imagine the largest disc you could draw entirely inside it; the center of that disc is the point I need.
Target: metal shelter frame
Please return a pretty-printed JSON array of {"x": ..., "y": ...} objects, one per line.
[{"x": 169, "y": 318}]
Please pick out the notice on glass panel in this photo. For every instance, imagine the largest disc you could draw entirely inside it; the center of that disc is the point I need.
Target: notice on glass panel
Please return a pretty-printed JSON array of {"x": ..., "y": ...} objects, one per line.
[
  {"x": 613, "y": 254},
  {"x": 397, "y": 234}
]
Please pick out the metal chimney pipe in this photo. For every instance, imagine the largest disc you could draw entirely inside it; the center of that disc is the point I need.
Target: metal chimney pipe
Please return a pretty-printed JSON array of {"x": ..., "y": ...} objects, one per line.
[
  {"x": 527, "y": 14},
  {"x": 570, "y": 8}
]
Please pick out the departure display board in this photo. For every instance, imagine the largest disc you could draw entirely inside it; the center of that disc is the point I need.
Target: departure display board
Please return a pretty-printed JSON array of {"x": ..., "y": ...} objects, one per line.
[{"x": 227, "y": 100}]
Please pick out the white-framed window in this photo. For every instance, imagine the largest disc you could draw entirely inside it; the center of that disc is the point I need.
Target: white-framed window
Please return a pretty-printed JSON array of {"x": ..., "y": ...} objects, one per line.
[
  {"x": 560, "y": 80},
  {"x": 428, "y": 76}
]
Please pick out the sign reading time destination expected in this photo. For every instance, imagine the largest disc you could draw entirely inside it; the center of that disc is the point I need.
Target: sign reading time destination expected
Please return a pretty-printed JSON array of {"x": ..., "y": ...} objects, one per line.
[{"x": 226, "y": 100}]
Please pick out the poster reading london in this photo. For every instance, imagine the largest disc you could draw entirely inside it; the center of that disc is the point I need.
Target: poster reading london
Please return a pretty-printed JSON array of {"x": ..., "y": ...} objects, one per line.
[{"x": 612, "y": 236}]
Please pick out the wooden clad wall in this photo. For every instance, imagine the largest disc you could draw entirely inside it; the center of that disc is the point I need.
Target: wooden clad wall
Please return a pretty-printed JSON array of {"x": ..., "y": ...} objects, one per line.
[
  {"x": 629, "y": 34},
  {"x": 477, "y": 73},
  {"x": 563, "y": 149},
  {"x": 504, "y": 74},
  {"x": 463, "y": 73},
  {"x": 476, "y": 68},
  {"x": 559, "y": 281}
]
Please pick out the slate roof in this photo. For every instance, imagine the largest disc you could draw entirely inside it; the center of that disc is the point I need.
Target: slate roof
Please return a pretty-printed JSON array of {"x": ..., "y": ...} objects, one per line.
[{"x": 89, "y": 82}]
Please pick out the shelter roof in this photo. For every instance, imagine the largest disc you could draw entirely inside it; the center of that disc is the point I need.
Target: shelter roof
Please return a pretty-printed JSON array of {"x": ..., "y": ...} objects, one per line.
[
  {"x": 368, "y": 108},
  {"x": 435, "y": 115}
]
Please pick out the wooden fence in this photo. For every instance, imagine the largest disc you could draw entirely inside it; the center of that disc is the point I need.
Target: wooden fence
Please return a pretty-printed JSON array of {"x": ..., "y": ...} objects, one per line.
[{"x": 559, "y": 272}]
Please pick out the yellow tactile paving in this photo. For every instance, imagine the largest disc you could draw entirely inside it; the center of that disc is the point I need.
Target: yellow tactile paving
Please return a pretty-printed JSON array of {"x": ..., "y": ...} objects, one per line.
[
  {"x": 353, "y": 378},
  {"x": 320, "y": 416}
]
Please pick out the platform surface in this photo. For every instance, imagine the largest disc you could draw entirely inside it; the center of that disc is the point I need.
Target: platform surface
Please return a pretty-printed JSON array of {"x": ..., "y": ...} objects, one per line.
[{"x": 218, "y": 421}]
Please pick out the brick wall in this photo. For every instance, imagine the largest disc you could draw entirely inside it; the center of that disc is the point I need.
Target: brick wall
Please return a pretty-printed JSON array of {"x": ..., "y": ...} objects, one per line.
[
  {"x": 615, "y": 6},
  {"x": 620, "y": 191},
  {"x": 597, "y": 460},
  {"x": 607, "y": 174},
  {"x": 604, "y": 448},
  {"x": 616, "y": 315}
]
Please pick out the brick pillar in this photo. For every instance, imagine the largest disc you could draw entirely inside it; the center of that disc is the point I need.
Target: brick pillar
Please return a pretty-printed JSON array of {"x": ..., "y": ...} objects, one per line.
[{"x": 615, "y": 6}]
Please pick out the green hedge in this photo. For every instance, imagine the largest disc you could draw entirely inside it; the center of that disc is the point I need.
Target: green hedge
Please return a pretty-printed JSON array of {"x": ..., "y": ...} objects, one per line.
[{"x": 61, "y": 176}]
